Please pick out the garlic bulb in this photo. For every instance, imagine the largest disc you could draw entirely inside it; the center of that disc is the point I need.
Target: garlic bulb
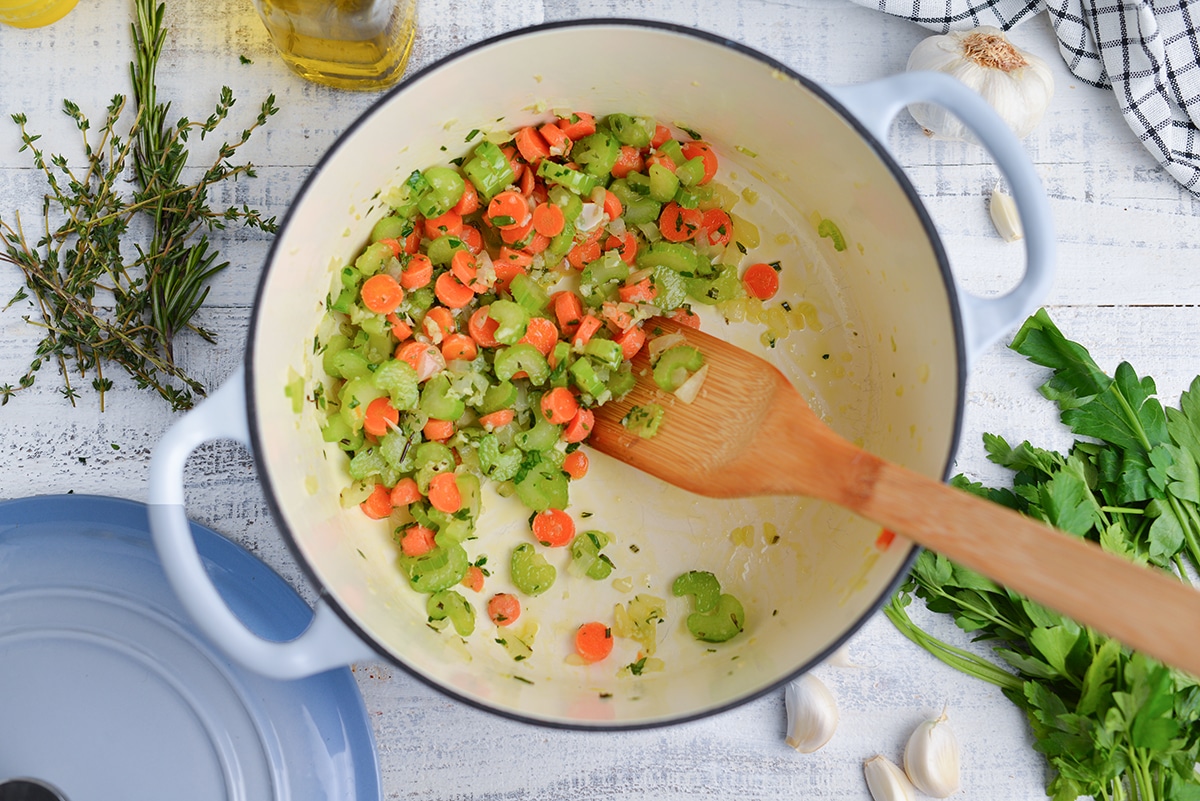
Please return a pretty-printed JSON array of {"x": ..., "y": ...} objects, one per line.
[
  {"x": 931, "y": 758},
  {"x": 1003, "y": 211},
  {"x": 812, "y": 714},
  {"x": 886, "y": 781},
  {"x": 1017, "y": 84}
]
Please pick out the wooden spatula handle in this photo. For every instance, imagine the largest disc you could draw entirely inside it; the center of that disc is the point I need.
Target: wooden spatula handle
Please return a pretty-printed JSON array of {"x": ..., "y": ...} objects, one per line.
[{"x": 1141, "y": 607}]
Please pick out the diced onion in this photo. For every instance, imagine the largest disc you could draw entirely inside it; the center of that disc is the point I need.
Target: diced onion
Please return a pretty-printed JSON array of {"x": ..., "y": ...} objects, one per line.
[
  {"x": 430, "y": 364},
  {"x": 665, "y": 342},
  {"x": 689, "y": 389},
  {"x": 589, "y": 217},
  {"x": 638, "y": 275}
]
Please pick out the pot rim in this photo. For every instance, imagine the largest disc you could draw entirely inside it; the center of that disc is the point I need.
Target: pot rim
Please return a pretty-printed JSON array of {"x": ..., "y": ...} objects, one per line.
[{"x": 708, "y": 38}]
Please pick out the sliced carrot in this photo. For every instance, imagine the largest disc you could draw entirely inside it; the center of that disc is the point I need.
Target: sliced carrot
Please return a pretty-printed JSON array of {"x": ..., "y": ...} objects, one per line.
[
  {"x": 438, "y": 430},
  {"x": 504, "y": 609},
  {"x": 508, "y": 265},
  {"x": 418, "y": 273},
  {"x": 508, "y": 209},
  {"x": 593, "y": 641},
  {"x": 412, "y": 242},
  {"x": 395, "y": 244},
  {"x": 626, "y": 246},
  {"x": 452, "y": 292},
  {"x": 378, "y": 504},
  {"x": 472, "y": 239},
  {"x": 400, "y": 329},
  {"x": 585, "y": 252},
  {"x": 381, "y": 293},
  {"x": 631, "y": 341},
  {"x": 559, "y": 406},
  {"x": 557, "y": 141},
  {"x": 580, "y": 427},
  {"x": 443, "y": 493},
  {"x": 482, "y": 328},
  {"x": 678, "y": 224},
  {"x": 438, "y": 322},
  {"x": 537, "y": 243},
  {"x": 473, "y": 579},
  {"x": 380, "y": 413},
  {"x": 449, "y": 224},
  {"x": 612, "y": 205},
  {"x": 517, "y": 167},
  {"x": 661, "y": 160},
  {"x": 578, "y": 125},
  {"x": 553, "y": 527},
  {"x": 693, "y": 149},
  {"x": 588, "y": 327},
  {"x": 630, "y": 160},
  {"x": 459, "y": 346},
  {"x": 497, "y": 419},
  {"x": 885, "y": 539},
  {"x": 406, "y": 491},
  {"x": 568, "y": 309},
  {"x": 527, "y": 183},
  {"x": 548, "y": 219},
  {"x": 531, "y": 145},
  {"x": 575, "y": 465},
  {"x": 464, "y": 267},
  {"x": 469, "y": 202},
  {"x": 417, "y": 540},
  {"x": 518, "y": 234},
  {"x": 541, "y": 333},
  {"x": 661, "y": 134},
  {"x": 761, "y": 281},
  {"x": 643, "y": 291},
  {"x": 415, "y": 352},
  {"x": 686, "y": 317},
  {"x": 715, "y": 227}
]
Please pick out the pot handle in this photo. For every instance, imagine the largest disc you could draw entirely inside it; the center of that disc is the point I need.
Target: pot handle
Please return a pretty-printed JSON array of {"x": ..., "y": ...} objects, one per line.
[
  {"x": 326, "y": 643},
  {"x": 876, "y": 104}
]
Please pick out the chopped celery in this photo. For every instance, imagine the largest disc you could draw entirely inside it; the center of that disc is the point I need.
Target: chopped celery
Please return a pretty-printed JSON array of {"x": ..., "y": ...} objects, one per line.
[
  {"x": 438, "y": 402},
  {"x": 450, "y": 605},
  {"x": 512, "y": 318},
  {"x": 700, "y": 584},
  {"x": 644, "y": 420},
  {"x": 720, "y": 624},
  {"x": 499, "y": 396},
  {"x": 442, "y": 249},
  {"x": 446, "y": 188},
  {"x": 586, "y": 555},
  {"x": 585, "y": 377},
  {"x": 675, "y": 365},
  {"x": 596, "y": 153},
  {"x": 528, "y": 293},
  {"x": 691, "y": 172},
  {"x": 633, "y": 131},
  {"x": 663, "y": 183},
  {"x": 392, "y": 227},
  {"x": 372, "y": 259},
  {"x": 521, "y": 357},
  {"x": 531, "y": 573},
  {"x": 399, "y": 380},
  {"x": 440, "y": 569},
  {"x": 489, "y": 170},
  {"x": 578, "y": 182},
  {"x": 543, "y": 485}
]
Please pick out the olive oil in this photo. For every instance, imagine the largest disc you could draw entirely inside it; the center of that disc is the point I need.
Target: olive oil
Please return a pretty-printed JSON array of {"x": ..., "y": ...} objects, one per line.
[
  {"x": 350, "y": 44},
  {"x": 33, "y": 13}
]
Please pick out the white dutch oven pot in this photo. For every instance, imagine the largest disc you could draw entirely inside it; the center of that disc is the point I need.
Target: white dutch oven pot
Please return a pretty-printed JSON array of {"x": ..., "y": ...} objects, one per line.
[{"x": 884, "y": 360}]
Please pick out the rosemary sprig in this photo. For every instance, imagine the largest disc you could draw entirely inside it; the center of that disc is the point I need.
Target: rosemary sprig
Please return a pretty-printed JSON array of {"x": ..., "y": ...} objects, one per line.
[{"x": 124, "y": 262}]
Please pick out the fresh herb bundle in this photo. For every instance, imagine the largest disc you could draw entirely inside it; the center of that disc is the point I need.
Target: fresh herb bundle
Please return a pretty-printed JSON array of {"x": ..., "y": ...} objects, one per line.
[
  {"x": 124, "y": 260},
  {"x": 1112, "y": 723}
]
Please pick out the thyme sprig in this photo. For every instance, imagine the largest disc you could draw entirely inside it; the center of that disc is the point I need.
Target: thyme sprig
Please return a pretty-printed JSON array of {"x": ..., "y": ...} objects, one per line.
[{"x": 124, "y": 261}]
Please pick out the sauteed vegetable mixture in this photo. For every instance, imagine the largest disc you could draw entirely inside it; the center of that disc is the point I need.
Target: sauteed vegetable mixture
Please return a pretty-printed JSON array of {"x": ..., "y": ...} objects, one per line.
[{"x": 493, "y": 310}]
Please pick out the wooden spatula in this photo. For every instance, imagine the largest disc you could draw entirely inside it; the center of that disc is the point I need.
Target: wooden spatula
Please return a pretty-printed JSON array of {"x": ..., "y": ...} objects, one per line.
[{"x": 749, "y": 432}]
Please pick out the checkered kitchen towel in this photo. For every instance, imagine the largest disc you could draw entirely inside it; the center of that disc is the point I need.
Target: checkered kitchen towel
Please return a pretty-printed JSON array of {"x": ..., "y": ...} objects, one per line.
[{"x": 1148, "y": 51}]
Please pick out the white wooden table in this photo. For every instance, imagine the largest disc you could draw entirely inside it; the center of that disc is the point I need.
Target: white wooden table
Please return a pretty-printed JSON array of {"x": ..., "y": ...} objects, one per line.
[{"x": 1126, "y": 287}]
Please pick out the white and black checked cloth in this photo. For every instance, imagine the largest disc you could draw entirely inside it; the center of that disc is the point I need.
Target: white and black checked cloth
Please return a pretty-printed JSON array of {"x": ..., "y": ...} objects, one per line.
[{"x": 1148, "y": 51}]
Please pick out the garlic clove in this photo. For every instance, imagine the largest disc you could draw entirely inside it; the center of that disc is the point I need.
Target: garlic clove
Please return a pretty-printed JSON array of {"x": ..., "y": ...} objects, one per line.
[
  {"x": 886, "y": 781},
  {"x": 812, "y": 714},
  {"x": 1003, "y": 211},
  {"x": 931, "y": 758}
]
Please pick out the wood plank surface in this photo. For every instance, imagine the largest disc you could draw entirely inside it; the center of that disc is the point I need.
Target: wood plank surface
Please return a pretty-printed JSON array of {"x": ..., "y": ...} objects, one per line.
[{"x": 1127, "y": 287}]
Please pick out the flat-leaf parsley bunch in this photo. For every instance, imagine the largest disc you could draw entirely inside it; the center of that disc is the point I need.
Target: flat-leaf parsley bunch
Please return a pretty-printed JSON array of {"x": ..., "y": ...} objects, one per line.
[
  {"x": 1112, "y": 723},
  {"x": 123, "y": 261}
]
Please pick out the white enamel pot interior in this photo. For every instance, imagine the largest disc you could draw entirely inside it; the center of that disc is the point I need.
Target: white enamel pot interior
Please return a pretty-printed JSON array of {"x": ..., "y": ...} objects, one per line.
[{"x": 882, "y": 358}]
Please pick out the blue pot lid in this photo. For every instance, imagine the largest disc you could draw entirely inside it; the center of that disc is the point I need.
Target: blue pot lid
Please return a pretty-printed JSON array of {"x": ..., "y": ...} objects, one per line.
[{"x": 108, "y": 691}]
